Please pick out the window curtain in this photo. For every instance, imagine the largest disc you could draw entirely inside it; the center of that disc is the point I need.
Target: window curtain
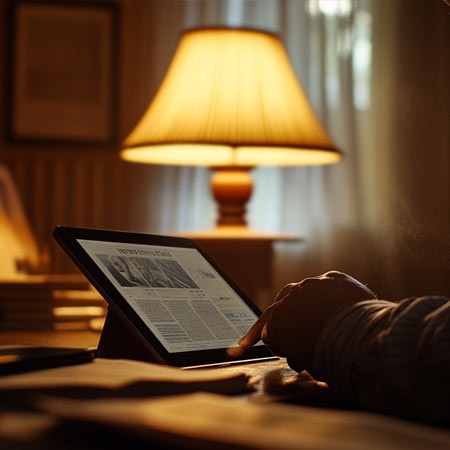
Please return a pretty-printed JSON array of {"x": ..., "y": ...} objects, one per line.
[
  {"x": 377, "y": 76},
  {"x": 330, "y": 47},
  {"x": 409, "y": 138}
]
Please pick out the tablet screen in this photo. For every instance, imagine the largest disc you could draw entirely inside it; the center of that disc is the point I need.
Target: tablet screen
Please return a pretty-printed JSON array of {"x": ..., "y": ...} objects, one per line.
[{"x": 182, "y": 299}]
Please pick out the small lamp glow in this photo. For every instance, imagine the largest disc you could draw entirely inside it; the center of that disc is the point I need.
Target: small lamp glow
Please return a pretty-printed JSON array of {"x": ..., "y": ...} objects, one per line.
[
  {"x": 231, "y": 101},
  {"x": 19, "y": 251}
]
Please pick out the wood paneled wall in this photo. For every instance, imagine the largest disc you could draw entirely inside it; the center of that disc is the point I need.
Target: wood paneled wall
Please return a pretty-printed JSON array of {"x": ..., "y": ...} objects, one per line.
[{"x": 88, "y": 191}]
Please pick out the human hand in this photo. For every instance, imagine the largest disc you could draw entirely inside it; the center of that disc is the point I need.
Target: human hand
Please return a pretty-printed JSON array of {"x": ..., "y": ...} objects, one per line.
[{"x": 291, "y": 326}]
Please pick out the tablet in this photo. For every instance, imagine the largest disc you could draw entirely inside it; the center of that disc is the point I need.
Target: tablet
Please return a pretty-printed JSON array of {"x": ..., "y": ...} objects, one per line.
[{"x": 168, "y": 295}]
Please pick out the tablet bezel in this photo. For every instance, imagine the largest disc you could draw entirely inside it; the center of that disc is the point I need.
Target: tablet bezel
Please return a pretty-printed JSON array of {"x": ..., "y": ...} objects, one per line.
[{"x": 67, "y": 238}]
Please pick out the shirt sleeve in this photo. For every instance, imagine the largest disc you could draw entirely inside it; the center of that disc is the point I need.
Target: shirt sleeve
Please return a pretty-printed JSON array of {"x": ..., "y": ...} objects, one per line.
[{"x": 389, "y": 357}]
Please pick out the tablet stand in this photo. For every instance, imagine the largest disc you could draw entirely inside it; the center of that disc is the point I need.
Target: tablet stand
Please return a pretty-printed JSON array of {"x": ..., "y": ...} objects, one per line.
[{"x": 119, "y": 341}]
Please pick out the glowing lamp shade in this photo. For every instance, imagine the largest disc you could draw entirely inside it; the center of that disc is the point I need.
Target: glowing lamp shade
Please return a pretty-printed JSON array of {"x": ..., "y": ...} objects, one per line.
[{"x": 231, "y": 101}]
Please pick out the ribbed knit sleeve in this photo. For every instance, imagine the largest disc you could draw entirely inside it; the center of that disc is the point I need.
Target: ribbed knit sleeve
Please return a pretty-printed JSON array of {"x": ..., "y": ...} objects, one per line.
[{"x": 389, "y": 357}]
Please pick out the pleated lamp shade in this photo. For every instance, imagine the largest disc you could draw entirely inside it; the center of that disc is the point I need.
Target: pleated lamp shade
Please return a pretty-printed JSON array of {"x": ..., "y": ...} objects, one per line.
[{"x": 230, "y": 100}]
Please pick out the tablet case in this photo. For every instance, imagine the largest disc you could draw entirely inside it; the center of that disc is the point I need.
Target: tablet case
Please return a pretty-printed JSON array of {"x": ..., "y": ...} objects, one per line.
[{"x": 119, "y": 340}]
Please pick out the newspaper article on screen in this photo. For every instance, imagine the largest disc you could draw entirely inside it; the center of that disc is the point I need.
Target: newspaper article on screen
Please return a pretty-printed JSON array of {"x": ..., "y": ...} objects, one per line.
[{"x": 181, "y": 298}]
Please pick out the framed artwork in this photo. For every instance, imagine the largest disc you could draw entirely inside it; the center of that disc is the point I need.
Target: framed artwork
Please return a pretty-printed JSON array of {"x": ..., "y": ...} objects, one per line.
[{"x": 62, "y": 72}]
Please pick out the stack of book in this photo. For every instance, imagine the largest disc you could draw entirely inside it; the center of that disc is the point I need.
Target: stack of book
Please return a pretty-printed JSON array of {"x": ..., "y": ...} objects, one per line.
[{"x": 50, "y": 302}]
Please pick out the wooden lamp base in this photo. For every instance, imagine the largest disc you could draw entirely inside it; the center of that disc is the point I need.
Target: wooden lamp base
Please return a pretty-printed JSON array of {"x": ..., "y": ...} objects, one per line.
[{"x": 232, "y": 188}]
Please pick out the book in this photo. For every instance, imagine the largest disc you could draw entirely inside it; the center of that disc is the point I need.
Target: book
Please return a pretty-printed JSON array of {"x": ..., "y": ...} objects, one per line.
[
  {"x": 40, "y": 285},
  {"x": 50, "y": 302}
]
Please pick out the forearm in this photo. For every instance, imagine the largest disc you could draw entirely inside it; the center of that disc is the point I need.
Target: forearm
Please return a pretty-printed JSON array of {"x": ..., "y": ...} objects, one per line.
[
  {"x": 350, "y": 332},
  {"x": 389, "y": 357}
]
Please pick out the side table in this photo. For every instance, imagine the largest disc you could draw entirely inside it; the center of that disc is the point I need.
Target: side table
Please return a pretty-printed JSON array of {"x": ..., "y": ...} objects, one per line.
[{"x": 246, "y": 257}]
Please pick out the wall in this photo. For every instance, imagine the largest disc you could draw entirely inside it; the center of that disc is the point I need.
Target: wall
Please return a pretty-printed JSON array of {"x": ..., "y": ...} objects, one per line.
[{"x": 88, "y": 186}]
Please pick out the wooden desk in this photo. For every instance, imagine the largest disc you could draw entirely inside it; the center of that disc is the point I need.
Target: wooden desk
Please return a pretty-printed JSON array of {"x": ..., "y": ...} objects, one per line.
[
  {"x": 21, "y": 428},
  {"x": 252, "y": 420}
]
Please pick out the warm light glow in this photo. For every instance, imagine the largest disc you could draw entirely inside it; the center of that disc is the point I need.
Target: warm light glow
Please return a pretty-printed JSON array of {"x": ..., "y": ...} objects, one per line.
[
  {"x": 232, "y": 188},
  {"x": 233, "y": 179},
  {"x": 19, "y": 251},
  {"x": 220, "y": 155},
  {"x": 68, "y": 311},
  {"x": 236, "y": 232},
  {"x": 230, "y": 97},
  {"x": 13, "y": 250},
  {"x": 230, "y": 100}
]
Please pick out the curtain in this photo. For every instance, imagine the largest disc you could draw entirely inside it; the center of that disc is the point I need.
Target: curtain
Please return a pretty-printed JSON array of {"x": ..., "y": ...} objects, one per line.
[
  {"x": 410, "y": 134},
  {"x": 377, "y": 75},
  {"x": 330, "y": 44}
]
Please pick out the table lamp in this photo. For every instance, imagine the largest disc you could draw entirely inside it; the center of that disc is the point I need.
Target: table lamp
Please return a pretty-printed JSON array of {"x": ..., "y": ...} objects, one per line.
[{"x": 230, "y": 100}]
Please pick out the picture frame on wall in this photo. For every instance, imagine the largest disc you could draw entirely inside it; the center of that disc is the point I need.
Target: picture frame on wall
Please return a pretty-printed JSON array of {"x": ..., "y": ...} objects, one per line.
[{"x": 62, "y": 72}]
